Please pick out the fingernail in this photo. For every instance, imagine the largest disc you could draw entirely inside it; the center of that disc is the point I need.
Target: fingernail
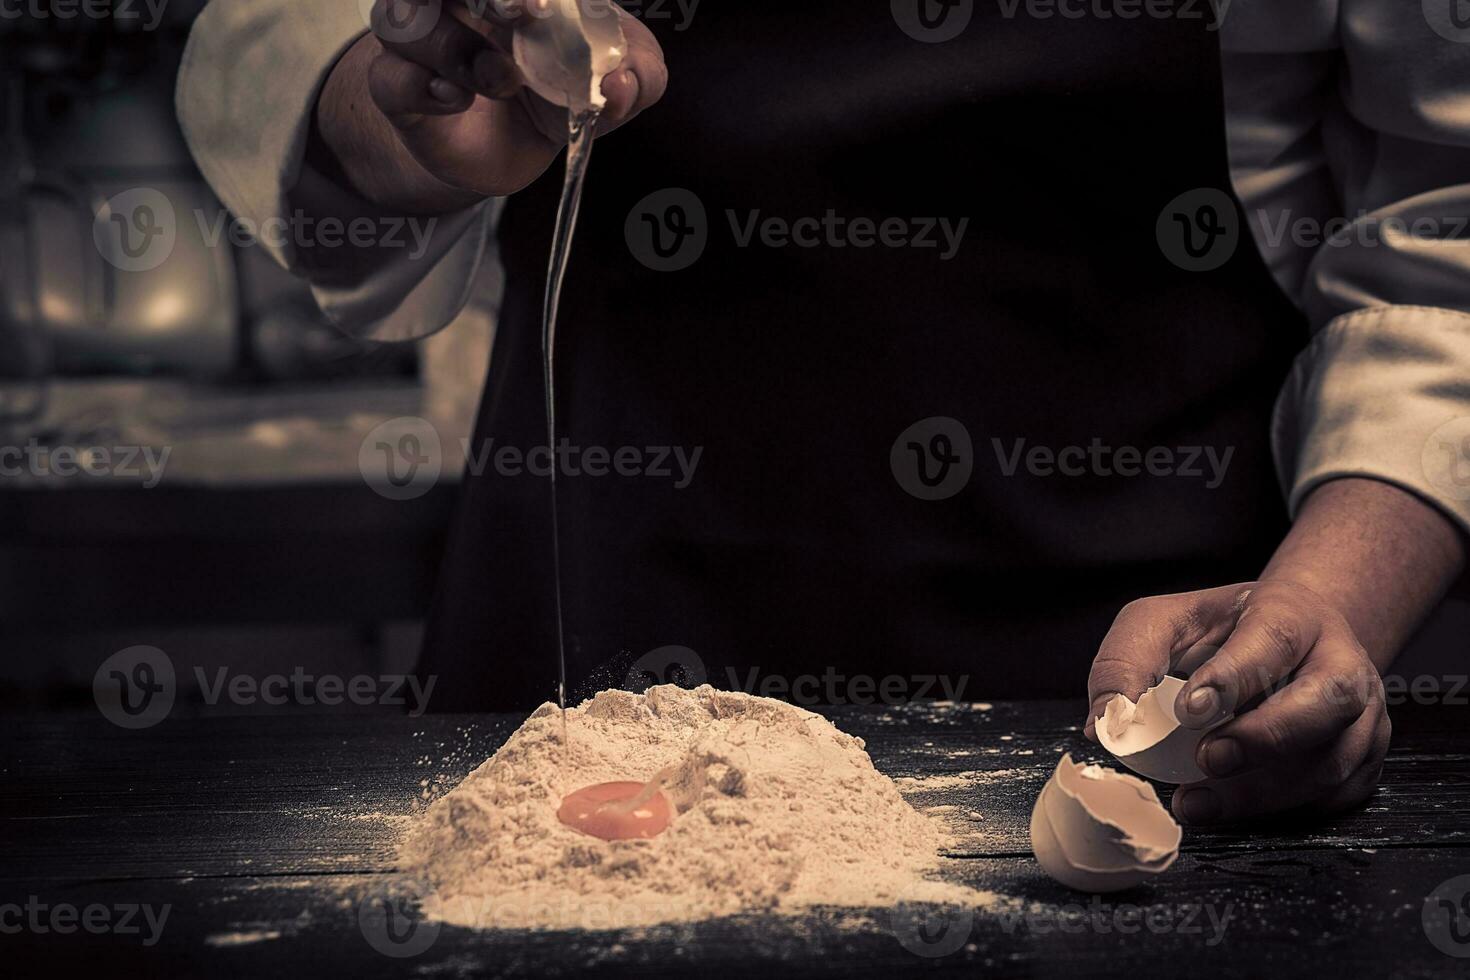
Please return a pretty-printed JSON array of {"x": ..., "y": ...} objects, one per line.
[
  {"x": 1221, "y": 756},
  {"x": 1203, "y": 702},
  {"x": 612, "y": 80},
  {"x": 445, "y": 91},
  {"x": 1198, "y": 806}
]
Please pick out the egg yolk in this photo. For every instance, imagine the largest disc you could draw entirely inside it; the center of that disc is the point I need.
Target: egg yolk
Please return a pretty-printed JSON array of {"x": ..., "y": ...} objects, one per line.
[{"x": 613, "y": 811}]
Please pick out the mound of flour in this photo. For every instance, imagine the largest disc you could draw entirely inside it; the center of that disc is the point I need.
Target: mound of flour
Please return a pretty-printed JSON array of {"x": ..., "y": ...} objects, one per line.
[{"x": 775, "y": 811}]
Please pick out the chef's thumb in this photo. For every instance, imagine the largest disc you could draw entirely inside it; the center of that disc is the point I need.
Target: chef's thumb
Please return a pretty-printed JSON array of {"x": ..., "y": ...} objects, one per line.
[
  {"x": 1134, "y": 655},
  {"x": 1148, "y": 635}
]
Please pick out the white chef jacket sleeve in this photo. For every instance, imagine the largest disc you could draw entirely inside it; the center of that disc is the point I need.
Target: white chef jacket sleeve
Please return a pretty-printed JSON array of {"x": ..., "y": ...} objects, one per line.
[
  {"x": 1349, "y": 133},
  {"x": 246, "y": 91}
]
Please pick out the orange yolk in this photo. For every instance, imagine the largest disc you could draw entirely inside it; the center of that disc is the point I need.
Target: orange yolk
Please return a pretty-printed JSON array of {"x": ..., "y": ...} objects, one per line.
[{"x": 608, "y": 811}]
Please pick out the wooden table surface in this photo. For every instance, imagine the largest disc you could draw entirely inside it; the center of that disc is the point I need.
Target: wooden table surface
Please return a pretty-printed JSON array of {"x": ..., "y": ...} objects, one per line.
[{"x": 269, "y": 839}]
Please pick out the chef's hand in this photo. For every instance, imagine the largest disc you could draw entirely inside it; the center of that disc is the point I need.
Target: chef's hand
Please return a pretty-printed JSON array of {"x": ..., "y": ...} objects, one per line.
[
  {"x": 1318, "y": 738},
  {"x": 429, "y": 113}
]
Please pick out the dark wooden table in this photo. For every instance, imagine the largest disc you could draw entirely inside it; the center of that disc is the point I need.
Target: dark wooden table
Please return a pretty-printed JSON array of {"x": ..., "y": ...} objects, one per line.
[{"x": 270, "y": 841}]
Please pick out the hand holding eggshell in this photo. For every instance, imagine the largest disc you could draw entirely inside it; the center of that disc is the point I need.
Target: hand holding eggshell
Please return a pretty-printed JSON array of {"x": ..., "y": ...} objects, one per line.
[
  {"x": 1319, "y": 740},
  {"x": 472, "y": 99},
  {"x": 1309, "y": 728}
]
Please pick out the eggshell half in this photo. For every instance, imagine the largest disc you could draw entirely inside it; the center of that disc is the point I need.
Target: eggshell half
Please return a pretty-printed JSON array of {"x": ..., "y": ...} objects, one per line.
[
  {"x": 1097, "y": 830},
  {"x": 1148, "y": 738},
  {"x": 565, "y": 48}
]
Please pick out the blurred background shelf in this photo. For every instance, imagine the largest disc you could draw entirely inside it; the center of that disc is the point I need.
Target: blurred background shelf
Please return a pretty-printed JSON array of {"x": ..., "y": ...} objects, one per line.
[
  {"x": 261, "y": 545},
  {"x": 258, "y": 543}
]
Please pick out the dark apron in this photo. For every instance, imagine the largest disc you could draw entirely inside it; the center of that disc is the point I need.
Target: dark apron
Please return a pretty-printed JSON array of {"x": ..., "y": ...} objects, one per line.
[{"x": 799, "y": 547}]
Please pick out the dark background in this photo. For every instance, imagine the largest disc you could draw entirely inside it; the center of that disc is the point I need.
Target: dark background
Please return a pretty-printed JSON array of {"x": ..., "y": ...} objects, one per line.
[{"x": 262, "y": 548}]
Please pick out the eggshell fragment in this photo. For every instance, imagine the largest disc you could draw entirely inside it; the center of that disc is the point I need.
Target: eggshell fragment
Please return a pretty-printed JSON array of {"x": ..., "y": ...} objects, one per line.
[
  {"x": 565, "y": 48},
  {"x": 1097, "y": 830},
  {"x": 1148, "y": 738}
]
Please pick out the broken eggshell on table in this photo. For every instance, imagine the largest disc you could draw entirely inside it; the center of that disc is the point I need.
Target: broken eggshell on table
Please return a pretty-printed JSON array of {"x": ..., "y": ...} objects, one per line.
[
  {"x": 1097, "y": 830},
  {"x": 1147, "y": 736},
  {"x": 565, "y": 48}
]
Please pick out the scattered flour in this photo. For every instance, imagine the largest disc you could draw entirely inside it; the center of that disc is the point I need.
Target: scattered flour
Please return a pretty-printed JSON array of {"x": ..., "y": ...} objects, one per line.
[
  {"x": 956, "y": 780},
  {"x": 242, "y": 938},
  {"x": 776, "y": 811}
]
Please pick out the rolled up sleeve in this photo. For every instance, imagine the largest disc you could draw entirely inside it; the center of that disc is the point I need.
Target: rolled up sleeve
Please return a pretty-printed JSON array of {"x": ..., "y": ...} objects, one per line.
[
  {"x": 247, "y": 87},
  {"x": 1349, "y": 125}
]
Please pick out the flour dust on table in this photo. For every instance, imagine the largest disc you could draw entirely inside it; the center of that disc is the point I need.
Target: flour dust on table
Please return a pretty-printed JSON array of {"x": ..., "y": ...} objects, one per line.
[{"x": 774, "y": 810}]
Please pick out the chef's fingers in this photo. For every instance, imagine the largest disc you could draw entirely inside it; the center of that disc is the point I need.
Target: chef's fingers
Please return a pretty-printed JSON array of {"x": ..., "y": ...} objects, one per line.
[
  {"x": 1330, "y": 692},
  {"x": 418, "y": 31},
  {"x": 403, "y": 91},
  {"x": 1360, "y": 785},
  {"x": 639, "y": 82},
  {"x": 1277, "y": 627},
  {"x": 1146, "y": 637},
  {"x": 1339, "y": 773}
]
